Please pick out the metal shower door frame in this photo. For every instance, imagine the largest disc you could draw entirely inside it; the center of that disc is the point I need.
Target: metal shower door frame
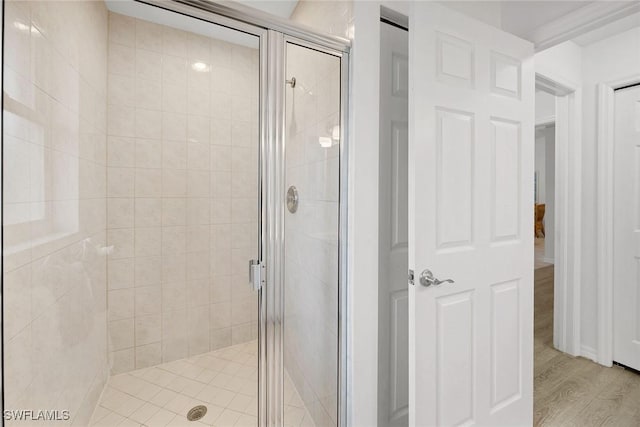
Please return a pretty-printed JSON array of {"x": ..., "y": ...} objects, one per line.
[
  {"x": 273, "y": 34},
  {"x": 343, "y": 56}
]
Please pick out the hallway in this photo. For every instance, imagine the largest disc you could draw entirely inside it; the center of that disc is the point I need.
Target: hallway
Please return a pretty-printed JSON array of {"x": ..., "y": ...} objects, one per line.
[{"x": 576, "y": 391}]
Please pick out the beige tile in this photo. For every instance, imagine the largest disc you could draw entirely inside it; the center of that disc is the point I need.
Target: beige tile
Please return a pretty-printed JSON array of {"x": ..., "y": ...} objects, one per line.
[
  {"x": 148, "y": 65},
  {"x": 121, "y": 121},
  {"x": 121, "y": 333},
  {"x": 148, "y": 241},
  {"x": 122, "y": 29},
  {"x": 122, "y": 361},
  {"x": 147, "y": 331},
  {"x": 121, "y": 90},
  {"x": 148, "y": 183},
  {"x": 174, "y": 71},
  {"x": 148, "y": 211},
  {"x": 174, "y": 97},
  {"x": 174, "y": 211},
  {"x": 148, "y": 271},
  {"x": 148, "y": 36},
  {"x": 121, "y": 59},
  {"x": 148, "y": 153},
  {"x": 174, "y": 126},
  {"x": 148, "y": 123},
  {"x": 174, "y": 42},
  {"x": 121, "y": 303},
  {"x": 120, "y": 273},
  {"x": 148, "y": 300},
  {"x": 120, "y": 182}
]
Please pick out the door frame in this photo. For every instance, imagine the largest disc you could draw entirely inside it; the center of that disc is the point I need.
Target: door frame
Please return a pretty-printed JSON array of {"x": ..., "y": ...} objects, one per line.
[
  {"x": 605, "y": 141},
  {"x": 567, "y": 211}
]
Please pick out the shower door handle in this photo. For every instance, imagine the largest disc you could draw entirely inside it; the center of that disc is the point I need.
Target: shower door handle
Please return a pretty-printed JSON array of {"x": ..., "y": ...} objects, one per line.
[{"x": 256, "y": 275}]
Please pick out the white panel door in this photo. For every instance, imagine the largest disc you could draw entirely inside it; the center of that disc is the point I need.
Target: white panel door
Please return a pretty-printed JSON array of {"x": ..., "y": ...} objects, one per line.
[
  {"x": 393, "y": 307},
  {"x": 471, "y": 158},
  {"x": 626, "y": 239}
]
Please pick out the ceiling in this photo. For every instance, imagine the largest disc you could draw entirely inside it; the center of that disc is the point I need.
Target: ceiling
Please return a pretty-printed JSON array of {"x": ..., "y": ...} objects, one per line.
[
  {"x": 522, "y": 17},
  {"x": 547, "y": 22}
]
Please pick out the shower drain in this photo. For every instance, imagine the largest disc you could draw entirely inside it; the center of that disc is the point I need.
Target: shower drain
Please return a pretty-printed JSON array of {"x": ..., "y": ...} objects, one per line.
[{"x": 196, "y": 413}]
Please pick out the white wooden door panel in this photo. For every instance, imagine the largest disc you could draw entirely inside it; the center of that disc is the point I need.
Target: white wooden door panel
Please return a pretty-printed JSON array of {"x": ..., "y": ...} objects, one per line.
[
  {"x": 470, "y": 219},
  {"x": 393, "y": 316},
  {"x": 626, "y": 264}
]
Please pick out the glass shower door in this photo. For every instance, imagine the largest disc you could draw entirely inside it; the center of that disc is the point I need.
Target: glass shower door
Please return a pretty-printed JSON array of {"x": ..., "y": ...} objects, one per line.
[{"x": 311, "y": 277}]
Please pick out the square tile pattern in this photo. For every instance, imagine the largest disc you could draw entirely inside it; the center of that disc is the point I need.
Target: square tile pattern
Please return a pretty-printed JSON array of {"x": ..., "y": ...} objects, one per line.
[
  {"x": 182, "y": 187},
  {"x": 225, "y": 381}
]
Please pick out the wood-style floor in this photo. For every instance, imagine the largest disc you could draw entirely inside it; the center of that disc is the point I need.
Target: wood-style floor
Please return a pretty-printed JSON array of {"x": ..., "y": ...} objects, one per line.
[{"x": 572, "y": 391}]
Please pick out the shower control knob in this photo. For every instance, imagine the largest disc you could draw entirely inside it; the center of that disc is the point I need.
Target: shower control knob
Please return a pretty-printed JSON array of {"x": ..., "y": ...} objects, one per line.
[{"x": 292, "y": 199}]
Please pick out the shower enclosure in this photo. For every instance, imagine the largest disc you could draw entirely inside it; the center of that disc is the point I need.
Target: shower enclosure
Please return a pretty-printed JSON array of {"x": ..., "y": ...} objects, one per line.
[{"x": 174, "y": 216}]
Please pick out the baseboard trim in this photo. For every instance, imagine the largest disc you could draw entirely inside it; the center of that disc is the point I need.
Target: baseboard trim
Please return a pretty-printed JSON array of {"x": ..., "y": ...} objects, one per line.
[{"x": 589, "y": 353}]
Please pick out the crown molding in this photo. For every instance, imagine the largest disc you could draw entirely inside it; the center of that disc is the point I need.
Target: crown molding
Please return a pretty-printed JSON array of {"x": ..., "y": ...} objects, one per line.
[{"x": 580, "y": 21}]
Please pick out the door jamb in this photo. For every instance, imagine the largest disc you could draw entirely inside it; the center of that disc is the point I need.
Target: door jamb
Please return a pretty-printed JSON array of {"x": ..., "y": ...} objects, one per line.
[
  {"x": 605, "y": 214},
  {"x": 568, "y": 213}
]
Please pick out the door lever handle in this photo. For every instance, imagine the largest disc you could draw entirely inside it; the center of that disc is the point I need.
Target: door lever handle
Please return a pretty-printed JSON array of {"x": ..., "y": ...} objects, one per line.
[{"x": 428, "y": 279}]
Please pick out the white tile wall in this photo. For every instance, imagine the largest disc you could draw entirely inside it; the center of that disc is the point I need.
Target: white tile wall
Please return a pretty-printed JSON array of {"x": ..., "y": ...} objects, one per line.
[
  {"x": 55, "y": 206},
  {"x": 182, "y": 189},
  {"x": 311, "y": 239}
]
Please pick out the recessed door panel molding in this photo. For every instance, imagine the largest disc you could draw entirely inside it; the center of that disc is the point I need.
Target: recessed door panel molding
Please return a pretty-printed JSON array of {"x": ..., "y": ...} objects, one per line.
[
  {"x": 506, "y": 180},
  {"x": 400, "y": 75},
  {"x": 455, "y": 359},
  {"x": 469, "y": 198},
  {"x": 399, "y": 340},
  {"x": 506, "y": 343},
  {"x": 455, "y": 60},
  {"x": 505, "y": 75},
  {"x": 399, "y": 184},
  {"x": 454, "y": 176}
]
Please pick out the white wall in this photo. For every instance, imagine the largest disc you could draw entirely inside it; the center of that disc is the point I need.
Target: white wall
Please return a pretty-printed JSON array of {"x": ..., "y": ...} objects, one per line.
[
  {"x": 550, "y": 192},
  {"x": 540, "y": 164},
  {"x": 563, "y": 62},
  {"x": 545, "y": 106},
  {"x": 489, "y": 12},
  {"x": 607, "y": 60},
  {"x": 545, "y": 165},
  {"x": 545, "y": 168}
]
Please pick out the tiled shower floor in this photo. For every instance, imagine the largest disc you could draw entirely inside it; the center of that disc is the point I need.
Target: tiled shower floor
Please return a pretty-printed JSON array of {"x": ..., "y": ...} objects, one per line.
[{"x": 225, "y": 381}]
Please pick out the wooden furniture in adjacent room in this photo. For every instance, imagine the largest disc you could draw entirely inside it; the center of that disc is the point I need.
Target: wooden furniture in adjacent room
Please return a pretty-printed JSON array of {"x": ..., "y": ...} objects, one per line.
[{"x": 539, "y": 224}]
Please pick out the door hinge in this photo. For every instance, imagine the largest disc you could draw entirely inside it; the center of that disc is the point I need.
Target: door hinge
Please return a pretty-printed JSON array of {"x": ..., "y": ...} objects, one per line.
[
  {"x": 257, "y": 275},
  {"x": 411, "y": 277}
]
